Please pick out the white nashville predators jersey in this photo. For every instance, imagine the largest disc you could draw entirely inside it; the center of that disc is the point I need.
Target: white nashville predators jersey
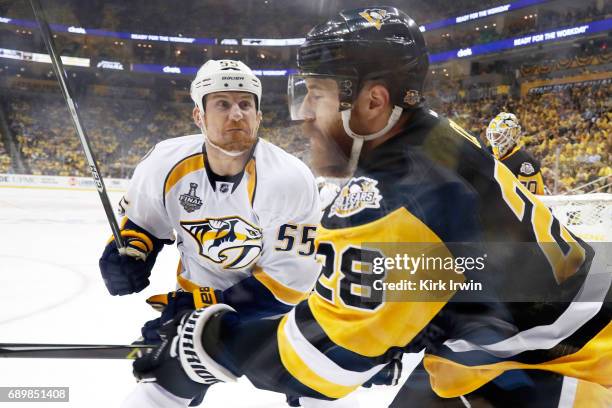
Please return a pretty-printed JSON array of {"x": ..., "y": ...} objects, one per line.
[{"x": 261, "y": 222}]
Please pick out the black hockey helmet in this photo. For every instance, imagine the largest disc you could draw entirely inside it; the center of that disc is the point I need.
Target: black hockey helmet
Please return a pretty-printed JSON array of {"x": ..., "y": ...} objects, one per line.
[{"x": 374, "y": 43}]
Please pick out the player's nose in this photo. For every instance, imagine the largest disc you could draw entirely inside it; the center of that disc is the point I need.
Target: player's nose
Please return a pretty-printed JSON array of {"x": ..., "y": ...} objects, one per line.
[
  {"x": 235, "y": 112},
  {"x": 306, "y": 111}
]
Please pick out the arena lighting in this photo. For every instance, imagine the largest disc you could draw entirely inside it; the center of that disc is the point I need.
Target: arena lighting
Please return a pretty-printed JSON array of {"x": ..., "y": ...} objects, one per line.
[
  {"x": 273, "y": 42},
  {"x": 105, "y": 33},
  {"x": 37, "y": 57},
  {"x": 269, "y": 42},
  {"x": 104, "y": 64},
  {"x": 190, "y": 71},
  {"x": 478, "y": 49},
  {"x": 558, "y": 34},
  {"x": 503, "y": 8}
]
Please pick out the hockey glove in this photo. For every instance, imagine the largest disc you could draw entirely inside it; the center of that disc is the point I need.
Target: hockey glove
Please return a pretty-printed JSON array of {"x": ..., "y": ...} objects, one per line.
[
  {"x": 128, "y": 272},
  {"x": 180, "y": 364},
  {"x": 174, "y": 303}
]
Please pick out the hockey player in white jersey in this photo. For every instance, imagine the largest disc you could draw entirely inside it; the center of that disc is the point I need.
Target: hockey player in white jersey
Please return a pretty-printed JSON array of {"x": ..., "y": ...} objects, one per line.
[{"x": 242, "y": 211}]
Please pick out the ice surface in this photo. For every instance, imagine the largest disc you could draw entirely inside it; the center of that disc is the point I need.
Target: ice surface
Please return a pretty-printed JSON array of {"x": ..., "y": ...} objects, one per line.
[{"x": 51, "y": 292}]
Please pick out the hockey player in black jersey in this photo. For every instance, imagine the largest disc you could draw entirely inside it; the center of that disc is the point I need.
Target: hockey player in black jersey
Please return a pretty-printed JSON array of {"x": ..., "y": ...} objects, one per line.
[
  {"x": 503, "y": 134},
  {"x": 418, "y": 185}
]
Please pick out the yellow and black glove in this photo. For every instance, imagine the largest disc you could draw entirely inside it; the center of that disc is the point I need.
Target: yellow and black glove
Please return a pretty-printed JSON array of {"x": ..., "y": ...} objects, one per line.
[
  {"x": 128, "y": 271},
  {"x": 172, "y": 304}
]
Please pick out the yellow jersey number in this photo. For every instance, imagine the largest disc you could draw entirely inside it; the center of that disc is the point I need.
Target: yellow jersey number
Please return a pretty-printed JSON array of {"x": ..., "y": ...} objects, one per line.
[{"x": 564, "y": 254}]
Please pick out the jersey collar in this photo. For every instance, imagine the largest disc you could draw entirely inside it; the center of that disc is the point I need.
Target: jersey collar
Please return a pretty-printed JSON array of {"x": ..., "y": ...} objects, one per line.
[{"x": 214, "y": 178}]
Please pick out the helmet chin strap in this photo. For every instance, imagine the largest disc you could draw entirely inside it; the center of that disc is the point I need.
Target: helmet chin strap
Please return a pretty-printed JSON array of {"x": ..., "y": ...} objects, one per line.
[
  {"x": 359, "y": 139},
  {"x": 219, "y": 148}
]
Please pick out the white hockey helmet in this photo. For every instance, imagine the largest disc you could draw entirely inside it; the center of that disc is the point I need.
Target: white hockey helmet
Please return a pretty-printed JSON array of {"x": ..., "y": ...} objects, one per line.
[
  {"x": 503, "y": 133},
  {"x": 222, "y": 76}
]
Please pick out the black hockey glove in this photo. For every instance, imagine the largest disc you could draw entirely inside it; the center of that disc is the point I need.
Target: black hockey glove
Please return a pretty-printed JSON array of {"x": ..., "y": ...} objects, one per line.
[
  {"x": 180, "y": 364},
  {"x": 129, "y": 271},
  {"x": 174, "y": 303}
]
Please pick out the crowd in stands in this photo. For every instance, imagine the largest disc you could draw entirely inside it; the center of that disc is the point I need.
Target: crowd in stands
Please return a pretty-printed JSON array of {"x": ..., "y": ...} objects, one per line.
[
  {"x": 47, "y": 141},
  {"x": 5, "y": 159},
  {"x": 573, "y": 123},
  {"x": 568, "y": 129},
  {"x": 578, "y": 64}
]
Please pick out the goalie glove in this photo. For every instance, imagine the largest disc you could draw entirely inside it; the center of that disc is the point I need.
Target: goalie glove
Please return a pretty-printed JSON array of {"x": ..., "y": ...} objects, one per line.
[
  {"x": 172, "y": 304},
  {"x": 180, "y": 364},
  {"x": 127, "y": 271}
]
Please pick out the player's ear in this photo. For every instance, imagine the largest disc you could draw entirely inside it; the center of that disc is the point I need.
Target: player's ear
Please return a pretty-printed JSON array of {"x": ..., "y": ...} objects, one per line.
[
  {"x": 373, "y": 102},
  {"x": 197, "y": 118},
  {"x": 379, "y": 98}
]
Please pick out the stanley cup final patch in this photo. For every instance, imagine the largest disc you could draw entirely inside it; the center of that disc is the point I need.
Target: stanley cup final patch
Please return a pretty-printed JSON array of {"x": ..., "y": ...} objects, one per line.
[
  {"x": 356, "y": 195},
  {"x": 190, "y": 201},
  {"x": 527, "y": 168}
]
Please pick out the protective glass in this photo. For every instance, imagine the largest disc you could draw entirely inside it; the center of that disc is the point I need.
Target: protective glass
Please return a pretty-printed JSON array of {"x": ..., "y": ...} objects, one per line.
[
  {"x": 308, "y": 93},
  {"x": 316, "y": 101}
]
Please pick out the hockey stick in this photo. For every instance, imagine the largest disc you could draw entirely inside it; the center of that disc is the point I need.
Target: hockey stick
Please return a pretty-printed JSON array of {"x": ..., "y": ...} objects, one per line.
[
  {"x": 62, "y": 78},
  {"x": 97, "y": 351}
]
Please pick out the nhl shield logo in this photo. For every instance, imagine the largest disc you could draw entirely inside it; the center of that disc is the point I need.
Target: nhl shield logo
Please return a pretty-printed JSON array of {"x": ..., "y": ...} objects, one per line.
[
  {"x": 357, "y": 195},
  {"x": 229, "y": 241},
  {"x": 376, "y": 17},
  {"x": 190, "y": 201}
]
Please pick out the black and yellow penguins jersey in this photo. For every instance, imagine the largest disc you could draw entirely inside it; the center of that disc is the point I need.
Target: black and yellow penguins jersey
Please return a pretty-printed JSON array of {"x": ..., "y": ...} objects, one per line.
[
  {"x": 532, "y": 296},
  {"x": 526, "y": 169}
]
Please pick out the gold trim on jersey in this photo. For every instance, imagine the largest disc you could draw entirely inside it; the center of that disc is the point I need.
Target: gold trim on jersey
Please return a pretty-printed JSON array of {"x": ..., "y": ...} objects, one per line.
[
  {"x": 187, "y": 165},
  {"x": 516, "y": 149},
  {"x": 251, "y": 171},
  {"x": 183, "y": 282},
  {"x": 592, "y": 363},
  {"x": 394, "y": 323},
  {"x": 589, "y": 394},
  {"x": 563, "y": 265},
  {"x": 281, "y": 292},
  {"x": 300, "y": 370}
]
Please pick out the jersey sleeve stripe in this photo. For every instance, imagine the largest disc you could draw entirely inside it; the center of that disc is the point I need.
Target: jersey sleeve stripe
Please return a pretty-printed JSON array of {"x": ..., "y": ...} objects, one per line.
[
  {"x": 312, "y": 368},
  {"x": 251, "y": 171},
  {"x": 584, "y": 307},
  {"x": 568, "y": 392},
  {"x": 281, "y": 292},
  {"x": 315, "y": 335},
  {"x": 183, "y": 282},
  {"x": 187, "y": 165},
  {"x": 451, "y": 379}
]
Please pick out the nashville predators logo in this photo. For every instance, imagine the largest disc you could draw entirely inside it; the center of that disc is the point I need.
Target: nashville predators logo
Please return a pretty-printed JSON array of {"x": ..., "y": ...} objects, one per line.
[
  {"x": 376, "y": 17},
  {"x": 230, "y": 241},
  {"x": 357, "y": 195}
]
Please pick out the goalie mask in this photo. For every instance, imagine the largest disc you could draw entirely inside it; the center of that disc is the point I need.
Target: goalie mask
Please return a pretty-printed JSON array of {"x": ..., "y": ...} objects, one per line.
[
  {"x": 223, "y": 76},
  {"x": 503, "y": 133},
  {"x": 380, "y": 44}
]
